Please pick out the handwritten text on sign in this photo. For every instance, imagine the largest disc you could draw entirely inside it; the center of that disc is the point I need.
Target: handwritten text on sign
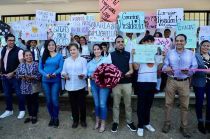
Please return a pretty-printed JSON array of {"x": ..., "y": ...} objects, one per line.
[
  {"x": 102, "y": 32},
  {"x": 61, "y": 34},
  {"x": 189, "y": 28},
  {"x": 165, "y": 42},
  {"x": 109, "y": 9},
  {"x": 204, "y": 33},
  {"x": 80, "y": 24},
  {"x": 168, "y": 18},
  {"x": 45, "y": 16},
  {"x": 151, "y": 21},
  {"x": 131, "y": 22},
  {"x": 145, "y": 53}
]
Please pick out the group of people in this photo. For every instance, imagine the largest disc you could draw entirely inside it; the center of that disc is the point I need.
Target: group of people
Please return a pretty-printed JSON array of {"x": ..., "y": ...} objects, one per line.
[{"x": 24, "y": 71}]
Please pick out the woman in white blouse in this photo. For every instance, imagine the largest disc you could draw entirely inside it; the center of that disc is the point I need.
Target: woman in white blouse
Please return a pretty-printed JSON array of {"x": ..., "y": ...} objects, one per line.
[{"x": 75, "y": 72}]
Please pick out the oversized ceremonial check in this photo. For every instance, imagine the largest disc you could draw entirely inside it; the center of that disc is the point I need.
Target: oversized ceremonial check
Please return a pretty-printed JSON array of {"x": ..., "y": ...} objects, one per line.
[{"x": 145, "y": 53}]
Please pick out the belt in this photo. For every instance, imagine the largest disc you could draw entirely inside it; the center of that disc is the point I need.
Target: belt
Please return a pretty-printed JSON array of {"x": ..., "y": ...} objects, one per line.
[{"x": 177, "y": 79}]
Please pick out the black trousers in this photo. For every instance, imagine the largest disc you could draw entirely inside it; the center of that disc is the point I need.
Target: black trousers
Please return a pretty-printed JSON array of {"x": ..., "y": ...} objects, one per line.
[
  {"x": 32, "y": 104},
  {"x": 78, "y": 104},
  {"x": 145, "y": 100}
]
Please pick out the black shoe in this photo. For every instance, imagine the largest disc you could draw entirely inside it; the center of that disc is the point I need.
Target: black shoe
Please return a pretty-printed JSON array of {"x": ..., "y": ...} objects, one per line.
[
  {"x": 207, "y": 127},
  {"x": 51, "y": 123},
  {"x": 75, "y": 124},
  {"x": 34, "y": 120},
  {"x": 27, "y": 120},
  {"x": 132, "y": 127},
  {"x": 56, "y": 123},
  {"x": 83, "y": 124},
  {"x": 114, "y": 127},
  {"x": 201, "y": 127},
  {"x": 185, "y": 132}
]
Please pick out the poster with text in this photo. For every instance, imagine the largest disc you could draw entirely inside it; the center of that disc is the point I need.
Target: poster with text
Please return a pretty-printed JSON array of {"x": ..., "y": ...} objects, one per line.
[
  {"x": 34, "y": 30},
  {"x": 131, "y": 22},
  {"x": 102, "y": 32},
  {"x": 109, "y": 10},
  {"x": 204, "y": 33},
  {"x": 189, "y": 28},
  {"x": 165, "y": 42},
  {"x": 46, "y": 17},
  {"x": 80, "y": 24},
  {"x": 151, "y": 21},
  {"x": 61, "y": 33},
  {"x": 168, "y": 18},
  {"x": 145, "y": 53}
]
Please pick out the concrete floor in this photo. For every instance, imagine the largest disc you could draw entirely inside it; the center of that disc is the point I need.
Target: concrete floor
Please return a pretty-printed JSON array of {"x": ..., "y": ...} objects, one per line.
[{"x": 12, "y": 128}]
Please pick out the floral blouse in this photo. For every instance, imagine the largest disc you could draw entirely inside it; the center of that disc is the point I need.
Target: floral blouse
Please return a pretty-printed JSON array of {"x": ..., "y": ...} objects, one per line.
[{"x": 30, "y": 70}]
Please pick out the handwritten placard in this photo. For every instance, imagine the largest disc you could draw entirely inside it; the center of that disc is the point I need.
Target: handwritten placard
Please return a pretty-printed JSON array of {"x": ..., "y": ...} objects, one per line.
[
  {"x": 145, "y": 53},
  {"x": 80, "y": 24},
  {"x": 165, "y": 42},
  {"x": 2, "y": 41},
  {"x": 102, "y": 32},
  {"x": 4, "y": 28},
  {"x": 204, "y": 33},
  {"x": 189, "y": 28},
  {"x": 61, "y": 33},
  {"x": 45, "y": 16},
  {"x": 131, "y": 22},
  {"x": 168, "y": 18},
  {"x": 109, "y": 9},
  {"x": 151, "y": 21},
  {"x": 34, "y": 30}
]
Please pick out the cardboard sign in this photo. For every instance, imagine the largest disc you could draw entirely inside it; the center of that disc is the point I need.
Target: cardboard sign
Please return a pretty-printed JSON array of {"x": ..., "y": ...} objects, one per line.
[
  {"x": 189, "y": 28},
  {"x": 165, "y": 42},
  {"x": 61, "y": 33},
  {"x": 102, "y": 32},
  {"x": 168, "y": 18},
  {"x": 34, "y": 30},
  {"x": 4, "y": 28},
  {"x": 204, "y": 33},
  {"x": 131, "y": 22},
  {"x": 80, "y": 24},
  {"x": 109, "y": 9},
  {"x": 2, "y": 41},
  {"x": 150, "y": 21},
  {"x": 145, "y": 53},
  {"x": 45, "y": 16}
]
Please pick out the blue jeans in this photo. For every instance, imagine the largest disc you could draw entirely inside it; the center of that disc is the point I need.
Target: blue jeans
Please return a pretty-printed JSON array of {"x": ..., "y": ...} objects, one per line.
[
  {"x": 51, "y": 90},
  {"x": 199, "y": 95},
  {"x": 10, "y": 85},
  {"x": 100, "y": 96}
]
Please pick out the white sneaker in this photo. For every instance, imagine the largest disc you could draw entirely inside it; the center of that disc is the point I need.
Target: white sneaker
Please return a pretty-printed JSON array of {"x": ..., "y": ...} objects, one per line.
[
  {"x": 21, "y": 114},
  {"x": 140, "y": 132},
  {"x": 6, "y": 114},
  {"x": 150, "y": 128}
]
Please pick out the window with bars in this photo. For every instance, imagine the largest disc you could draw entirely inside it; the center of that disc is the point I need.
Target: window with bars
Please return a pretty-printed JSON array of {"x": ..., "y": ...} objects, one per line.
[{"x": 201, "y": 16}]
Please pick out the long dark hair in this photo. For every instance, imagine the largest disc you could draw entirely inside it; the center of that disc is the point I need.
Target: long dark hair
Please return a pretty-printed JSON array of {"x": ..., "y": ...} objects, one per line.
[
  {"x": 46, "y": 53},
  {"x": 80, "y": 48},
  {"x": 100, "y": 47}
]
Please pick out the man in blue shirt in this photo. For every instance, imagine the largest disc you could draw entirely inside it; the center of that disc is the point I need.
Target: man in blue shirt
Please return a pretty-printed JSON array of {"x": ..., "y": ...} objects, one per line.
[{"x": 178, "y": 64}]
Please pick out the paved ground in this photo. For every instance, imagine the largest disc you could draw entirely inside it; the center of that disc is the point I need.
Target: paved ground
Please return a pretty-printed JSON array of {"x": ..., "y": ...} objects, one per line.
[{"x": 12, "y": 128}]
